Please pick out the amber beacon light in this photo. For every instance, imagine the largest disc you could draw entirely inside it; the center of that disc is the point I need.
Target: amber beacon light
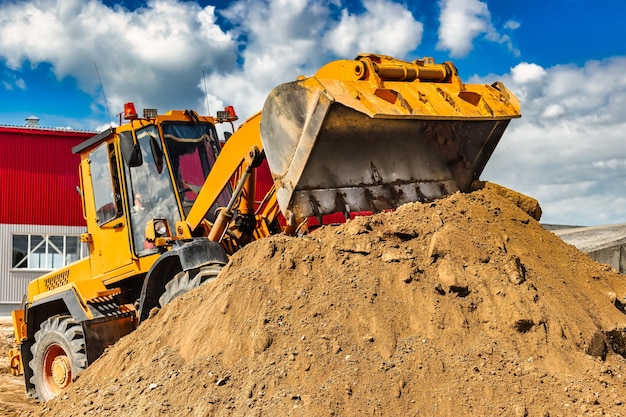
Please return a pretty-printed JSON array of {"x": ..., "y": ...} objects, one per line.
[{"x": 129, "y": 111}]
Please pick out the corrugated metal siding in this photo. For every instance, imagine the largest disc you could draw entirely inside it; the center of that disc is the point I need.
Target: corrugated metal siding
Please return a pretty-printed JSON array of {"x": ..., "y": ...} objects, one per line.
[
  {"x": 38, "y": 177},
  {"x": 13, "y": 283}
]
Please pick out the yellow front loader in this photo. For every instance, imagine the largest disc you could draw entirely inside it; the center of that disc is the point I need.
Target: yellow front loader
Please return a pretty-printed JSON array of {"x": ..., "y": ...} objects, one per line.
[{"x": 167, "y": 202}]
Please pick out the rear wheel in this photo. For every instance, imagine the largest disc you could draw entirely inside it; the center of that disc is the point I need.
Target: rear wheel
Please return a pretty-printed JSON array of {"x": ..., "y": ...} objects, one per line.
[
  {"x": 186, "y": 281},
  {"x": 58, "y": 356}
]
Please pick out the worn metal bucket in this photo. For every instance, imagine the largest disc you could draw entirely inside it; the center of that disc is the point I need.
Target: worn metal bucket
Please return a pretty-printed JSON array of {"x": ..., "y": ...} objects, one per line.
[{"x": 350, "y": 140}]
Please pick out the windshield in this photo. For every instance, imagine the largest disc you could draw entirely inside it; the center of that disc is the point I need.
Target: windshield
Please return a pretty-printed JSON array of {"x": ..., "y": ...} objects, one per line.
[
  {"x": 192, "y": 149},
  {"x": 150, "y": 189}
]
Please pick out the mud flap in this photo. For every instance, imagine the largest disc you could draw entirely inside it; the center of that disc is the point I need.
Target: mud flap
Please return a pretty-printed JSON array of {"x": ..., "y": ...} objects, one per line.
[{"x": 26, "y": 354}]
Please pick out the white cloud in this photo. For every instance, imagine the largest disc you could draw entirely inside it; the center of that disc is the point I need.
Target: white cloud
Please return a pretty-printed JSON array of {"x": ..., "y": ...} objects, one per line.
[
  {"x": 462, "y": 21},
  {"x": 282, "y": 41},
  {"x": 370, "y": 31},
  {"x": 553, "y": 111},
  {"x": 524, "y": 73},
  {"x": 11, "y": 82},
  {"x": 512, "y": 25},
  {"x": 155, "y": 55},
  {"x": 568, "y": 149},
  {"x": 285, "y": 39}
]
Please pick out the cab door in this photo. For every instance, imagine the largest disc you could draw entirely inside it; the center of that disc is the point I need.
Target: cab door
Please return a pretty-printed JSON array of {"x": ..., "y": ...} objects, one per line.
[{"x": 110, "y": 250}]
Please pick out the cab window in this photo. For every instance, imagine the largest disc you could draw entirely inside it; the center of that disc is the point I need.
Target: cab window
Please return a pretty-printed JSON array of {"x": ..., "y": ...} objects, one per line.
[{"x": 104, "y": 183}]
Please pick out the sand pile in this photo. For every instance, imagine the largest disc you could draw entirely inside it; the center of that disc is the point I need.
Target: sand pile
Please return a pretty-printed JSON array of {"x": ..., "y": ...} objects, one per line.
[{"x": 465, "y": 306}]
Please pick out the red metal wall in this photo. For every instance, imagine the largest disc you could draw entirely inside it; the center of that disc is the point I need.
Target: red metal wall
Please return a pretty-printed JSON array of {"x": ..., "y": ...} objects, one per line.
[{"x": 39, "y": 175}]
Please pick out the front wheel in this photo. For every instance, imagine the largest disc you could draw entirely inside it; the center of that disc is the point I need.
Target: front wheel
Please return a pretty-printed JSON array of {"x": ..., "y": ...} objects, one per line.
[
  {"x": 59, "y": 356},
  {"x": 186, "y": 281}
]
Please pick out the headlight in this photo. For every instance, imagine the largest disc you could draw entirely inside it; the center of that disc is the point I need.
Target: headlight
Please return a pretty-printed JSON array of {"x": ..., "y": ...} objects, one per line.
[
  {"x": 160, "y": 228},
  {"x": 157, "y": 228}
]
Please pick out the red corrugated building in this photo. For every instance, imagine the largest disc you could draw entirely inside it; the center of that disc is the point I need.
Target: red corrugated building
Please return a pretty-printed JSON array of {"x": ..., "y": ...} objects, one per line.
[{"x": 41, "y": 215}]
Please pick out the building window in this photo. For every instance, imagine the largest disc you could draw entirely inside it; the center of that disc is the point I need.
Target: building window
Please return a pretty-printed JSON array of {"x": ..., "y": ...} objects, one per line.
[{"x": 46, "y": 251}]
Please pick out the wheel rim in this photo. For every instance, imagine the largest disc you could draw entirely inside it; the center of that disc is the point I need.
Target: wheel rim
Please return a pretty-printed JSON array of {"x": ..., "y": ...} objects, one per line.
[{"x": 57, "y": 369}]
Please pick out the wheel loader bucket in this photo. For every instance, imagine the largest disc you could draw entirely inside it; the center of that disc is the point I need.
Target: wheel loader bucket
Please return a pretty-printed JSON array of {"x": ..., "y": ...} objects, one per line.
[{"x": 375, "y": 133}]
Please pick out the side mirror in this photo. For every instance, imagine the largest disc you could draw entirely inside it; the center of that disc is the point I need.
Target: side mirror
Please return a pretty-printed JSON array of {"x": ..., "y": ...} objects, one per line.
[
  {"x": 130, "y": 149},
  {"x": 227, "y": 136}
]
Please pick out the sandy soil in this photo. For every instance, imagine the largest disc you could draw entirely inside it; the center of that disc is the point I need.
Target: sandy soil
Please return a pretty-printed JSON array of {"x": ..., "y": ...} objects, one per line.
[
  {"x": 465, "y": 306},
  {"x": 13, "y": 401}
]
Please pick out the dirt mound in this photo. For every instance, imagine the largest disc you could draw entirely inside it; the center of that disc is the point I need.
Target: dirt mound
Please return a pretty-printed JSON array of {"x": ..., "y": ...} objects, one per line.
[{"x": 466, "y": 306}]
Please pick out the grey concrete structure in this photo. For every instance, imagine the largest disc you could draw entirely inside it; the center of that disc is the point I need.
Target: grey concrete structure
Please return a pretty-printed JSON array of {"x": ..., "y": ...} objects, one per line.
[
  {"x": 14, "y": 281},
  {"x": 606, "y": 244}
]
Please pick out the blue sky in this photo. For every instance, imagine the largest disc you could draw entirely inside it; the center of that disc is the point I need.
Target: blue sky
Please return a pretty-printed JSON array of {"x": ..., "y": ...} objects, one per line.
[{"x": 565, "y": 60}]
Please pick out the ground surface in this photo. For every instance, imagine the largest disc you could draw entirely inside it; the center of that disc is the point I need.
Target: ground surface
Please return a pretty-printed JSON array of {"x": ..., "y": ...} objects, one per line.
[
  {"x": 13, "y": 401},
  {"x": 466, "y": 306}
]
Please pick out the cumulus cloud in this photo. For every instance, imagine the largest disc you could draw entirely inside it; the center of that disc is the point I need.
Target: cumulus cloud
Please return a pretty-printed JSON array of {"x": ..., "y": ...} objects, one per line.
[
  {"x": 165, "y": 52},
  {"x": 370, "y": 31},
  {"x": 162, "y": 46},
  {"x": 462, "y": 21},
  {"x": 526, "y": 73},
  {"x": 528, "y": 79},
  {"x": 553, "y": 111},
  {"x": 282, "y": 41},
  {"x": 304, "y": 35},
  {"x": 568, "y": 149}
]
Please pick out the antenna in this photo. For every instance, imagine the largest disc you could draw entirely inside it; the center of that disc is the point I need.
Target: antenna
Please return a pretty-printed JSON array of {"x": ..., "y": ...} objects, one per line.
[
  {"x": 206, "y": 95},
  {"x": 106, "y": 105}
]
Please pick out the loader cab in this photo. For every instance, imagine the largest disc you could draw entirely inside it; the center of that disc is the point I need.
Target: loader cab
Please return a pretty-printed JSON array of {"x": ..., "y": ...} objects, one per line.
[
  {"x": 146, "y": 169},
  {"x": 166, "y": 164}
]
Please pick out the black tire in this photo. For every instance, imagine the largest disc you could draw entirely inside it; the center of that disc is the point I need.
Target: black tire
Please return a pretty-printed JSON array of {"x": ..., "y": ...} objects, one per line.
[
  {"x": 186, "y": 281},
  {"x": 59, "y": 356}
]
